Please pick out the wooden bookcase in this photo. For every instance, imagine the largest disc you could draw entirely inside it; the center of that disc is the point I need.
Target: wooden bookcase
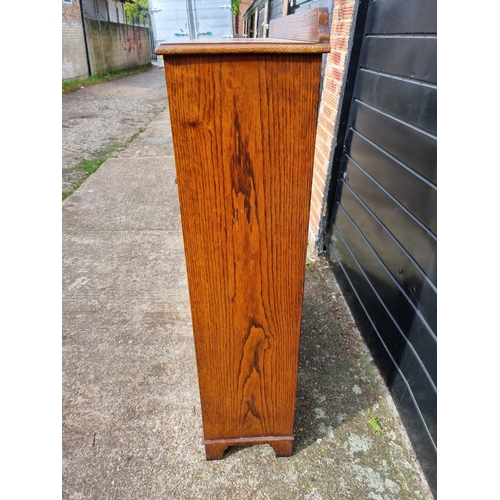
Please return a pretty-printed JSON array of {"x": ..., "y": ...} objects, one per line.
[{"x": 243, "y": 116}]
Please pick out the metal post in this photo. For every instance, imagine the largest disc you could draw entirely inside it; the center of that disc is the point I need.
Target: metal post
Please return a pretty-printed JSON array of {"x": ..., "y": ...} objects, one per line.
[
  {"x": 118, "y": 22},
  {"x": 96, "y": 5},
  {"x": 85, "y": 40},
  {"x": 109, "y": 19}
]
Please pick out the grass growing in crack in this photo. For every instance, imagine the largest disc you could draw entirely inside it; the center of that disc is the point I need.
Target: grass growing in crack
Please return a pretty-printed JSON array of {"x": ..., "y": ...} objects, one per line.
[
  {"x": 134, "y": 137},
  {"x": 111, "y": 75},
  {"x": 87, "y": 167},
  {"x": 106, "y": 151}
]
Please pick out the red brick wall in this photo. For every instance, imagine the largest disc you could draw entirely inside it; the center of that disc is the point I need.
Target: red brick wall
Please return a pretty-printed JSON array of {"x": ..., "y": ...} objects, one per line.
[
  {"x": 333, "y": 83},
  {"x": 71, "y": 12},
  {"x": 238, "y": 20}
]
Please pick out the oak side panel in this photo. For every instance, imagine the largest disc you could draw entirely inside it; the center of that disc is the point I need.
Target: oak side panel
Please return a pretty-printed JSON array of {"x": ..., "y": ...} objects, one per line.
[{"x": 243, "y": 129}]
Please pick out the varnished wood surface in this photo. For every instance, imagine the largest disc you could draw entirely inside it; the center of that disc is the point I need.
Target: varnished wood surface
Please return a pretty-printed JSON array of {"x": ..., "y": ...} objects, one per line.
[
  {"x": 310, "y": 25},
  {"x": 242, "y": 46},
  {"x": 214, "y": 450},
  {"x": 243, "y": 129}
]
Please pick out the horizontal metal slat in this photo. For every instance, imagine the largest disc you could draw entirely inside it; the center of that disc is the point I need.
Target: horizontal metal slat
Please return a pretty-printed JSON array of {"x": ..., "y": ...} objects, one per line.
[
  {"x": 408, "y": 100},
  {"x": 406, "y": 56},
  {"x": 416, "y": 287},
  {"x": 414, "y": 193},
  {"x": 399, "y": 350},
  {"x": 413, "y": 147},
  {"x": 394, "y": 16},
  {"x": 417, "y": 242},
  {"x": 395, "y": 301}
]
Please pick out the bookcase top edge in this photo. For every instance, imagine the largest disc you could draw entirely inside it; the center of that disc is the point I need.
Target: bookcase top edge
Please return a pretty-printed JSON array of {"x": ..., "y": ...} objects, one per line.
[{"x": 242, "y": 46}]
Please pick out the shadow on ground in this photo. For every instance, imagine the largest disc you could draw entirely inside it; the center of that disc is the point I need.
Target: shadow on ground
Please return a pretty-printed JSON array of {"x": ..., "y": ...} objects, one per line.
[{"x": 332, "y": 386}]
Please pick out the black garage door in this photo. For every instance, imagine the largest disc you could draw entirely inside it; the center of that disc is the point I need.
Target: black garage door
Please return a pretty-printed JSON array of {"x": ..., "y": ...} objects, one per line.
[{"x": 383, "y": 224}]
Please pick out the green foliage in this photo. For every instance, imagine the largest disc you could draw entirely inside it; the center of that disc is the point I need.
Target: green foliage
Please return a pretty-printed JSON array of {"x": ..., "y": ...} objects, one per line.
[
  {"x": 235, "y": 7},
  {"x": 375, "y": 425},
  {"x": 138, "y": 13}
]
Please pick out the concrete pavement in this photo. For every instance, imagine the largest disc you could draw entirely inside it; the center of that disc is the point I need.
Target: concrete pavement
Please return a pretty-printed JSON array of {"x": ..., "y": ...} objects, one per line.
[{"x": 131, "y": 410}]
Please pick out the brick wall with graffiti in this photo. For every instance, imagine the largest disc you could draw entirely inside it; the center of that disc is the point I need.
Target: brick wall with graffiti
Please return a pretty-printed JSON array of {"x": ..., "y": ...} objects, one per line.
[{"x": 114, "y": 46}]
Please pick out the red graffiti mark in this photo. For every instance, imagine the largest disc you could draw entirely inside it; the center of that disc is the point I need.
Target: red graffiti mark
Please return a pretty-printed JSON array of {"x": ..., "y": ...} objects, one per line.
[
  {"x": 129, "y": 44},
  {"x": 138, "y": 43}
]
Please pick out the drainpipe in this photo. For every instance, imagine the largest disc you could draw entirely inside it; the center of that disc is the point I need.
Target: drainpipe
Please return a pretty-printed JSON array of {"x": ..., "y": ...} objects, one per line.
[
  {"x": 196, "y": 23},
  {"x": 191, "y": 20},
  {"x": 85, "y": 39}
]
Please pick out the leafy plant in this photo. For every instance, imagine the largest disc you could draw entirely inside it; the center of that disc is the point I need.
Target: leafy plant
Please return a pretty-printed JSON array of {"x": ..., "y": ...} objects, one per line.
[
  {"x": 375, "y": 425},
  {"x": 235, "y": 7},
  {"x": 138, "y": 13}
]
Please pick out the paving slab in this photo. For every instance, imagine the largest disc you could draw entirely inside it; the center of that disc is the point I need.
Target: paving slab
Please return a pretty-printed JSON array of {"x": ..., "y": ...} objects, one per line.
[
  {"x": 111, "y": 199},
  {"x": 156, "y": 140}
]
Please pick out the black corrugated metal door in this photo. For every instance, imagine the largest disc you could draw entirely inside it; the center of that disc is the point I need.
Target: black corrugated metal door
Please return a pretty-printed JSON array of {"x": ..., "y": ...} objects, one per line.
[{"x": 384, "y": 223}]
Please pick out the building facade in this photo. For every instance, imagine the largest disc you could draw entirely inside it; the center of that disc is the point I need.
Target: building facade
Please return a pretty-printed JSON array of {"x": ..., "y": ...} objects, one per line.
[{"x": 74, "y": 54}]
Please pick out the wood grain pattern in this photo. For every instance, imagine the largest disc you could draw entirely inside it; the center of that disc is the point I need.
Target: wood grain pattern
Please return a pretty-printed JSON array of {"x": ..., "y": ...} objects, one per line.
[
  {"x": 310, "y": 25},
  {"x": 242, "y": 46},
  {"x": 243, "y": 128}
]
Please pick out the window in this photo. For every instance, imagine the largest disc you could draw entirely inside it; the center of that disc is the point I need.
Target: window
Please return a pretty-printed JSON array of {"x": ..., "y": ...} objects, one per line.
[{"x": 67, "y": 2}]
